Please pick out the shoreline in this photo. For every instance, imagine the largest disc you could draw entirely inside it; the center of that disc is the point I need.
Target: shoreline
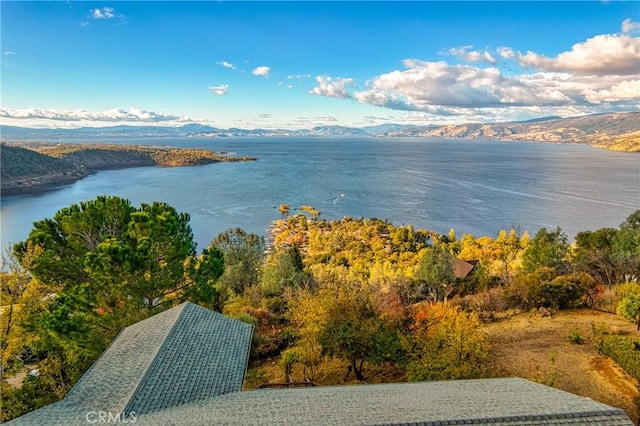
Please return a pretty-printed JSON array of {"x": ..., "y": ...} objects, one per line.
[
  {"x": 87, "y": 159},
  {"x": 47, "y": 182}
]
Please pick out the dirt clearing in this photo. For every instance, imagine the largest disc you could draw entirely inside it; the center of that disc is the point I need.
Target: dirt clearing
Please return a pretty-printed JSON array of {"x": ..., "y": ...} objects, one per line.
[{"x": 539, "y": 349}]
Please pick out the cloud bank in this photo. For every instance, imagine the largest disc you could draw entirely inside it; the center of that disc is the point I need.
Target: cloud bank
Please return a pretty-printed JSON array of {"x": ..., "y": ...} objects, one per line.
[
  {"x": 600, "y": 74},
  {"x": 132, "y": 115}
]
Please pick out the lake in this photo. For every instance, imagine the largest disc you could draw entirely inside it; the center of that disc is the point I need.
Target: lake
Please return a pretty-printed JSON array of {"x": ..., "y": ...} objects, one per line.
[{"x": 474, "y": 187}]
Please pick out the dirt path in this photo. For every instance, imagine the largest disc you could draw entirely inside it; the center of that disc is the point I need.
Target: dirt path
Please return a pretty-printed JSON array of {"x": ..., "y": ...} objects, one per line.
[{"x": 539, "y": 349}]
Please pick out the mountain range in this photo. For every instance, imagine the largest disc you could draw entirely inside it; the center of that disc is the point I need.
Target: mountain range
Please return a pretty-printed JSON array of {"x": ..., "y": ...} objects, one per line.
[{"x": 617, "y": 131}]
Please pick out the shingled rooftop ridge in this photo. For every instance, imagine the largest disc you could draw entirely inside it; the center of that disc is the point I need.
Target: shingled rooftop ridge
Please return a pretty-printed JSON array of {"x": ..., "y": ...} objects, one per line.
[{"x": 186, "y": 366}]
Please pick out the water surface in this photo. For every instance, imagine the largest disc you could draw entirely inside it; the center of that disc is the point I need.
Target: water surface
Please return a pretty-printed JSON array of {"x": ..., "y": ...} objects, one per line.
[{"x": 474, "y": 187}]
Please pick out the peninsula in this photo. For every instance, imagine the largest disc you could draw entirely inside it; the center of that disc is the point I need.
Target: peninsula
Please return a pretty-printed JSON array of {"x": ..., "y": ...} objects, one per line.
[{"x": 32, "y": 167}]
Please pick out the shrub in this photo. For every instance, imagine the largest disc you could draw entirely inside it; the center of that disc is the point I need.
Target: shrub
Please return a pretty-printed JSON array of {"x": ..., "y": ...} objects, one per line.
[
  {"x": 567, "y": 291},
  {"x": 575, "y": 337},
  {"x": 626, "y": 289},
  {"x": 629, "y": 308},
  {"x": 624, "y": 350},
  {"x": 488, "y": 303},
  {"x": 598, "y": 332},
  {"x": 525, "y": 292}
]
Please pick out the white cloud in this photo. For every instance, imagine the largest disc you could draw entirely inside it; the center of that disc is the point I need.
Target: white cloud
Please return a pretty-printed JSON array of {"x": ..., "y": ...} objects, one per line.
[
  {"x": 9, "y": 53},
  {"x": 290, "y": 86},
  {"x": 600, "y": 74},
  {"x": 426, "y": 84},
  {"x": 226, "y": 64},
  {"x": 325, "y": 118},
  {"x": 440, "y": 89},
  {"x": 104, "y": 13},
  {"x": 468, "y": 55},
  {"x": 219, "y": 90},
  {"x": 629, "y": 26},
  {"x": 298, "y": 76},
  {"x": 506, "y": 52},
  {"x": 375, "y": 118},
  {"x": 332, "y": 87},
  {"x": 625, "y": 90},
  {"x": 112, "y": 115},
  {"x": 600, "y": 55},
  {"x": 261, "y": 71}
]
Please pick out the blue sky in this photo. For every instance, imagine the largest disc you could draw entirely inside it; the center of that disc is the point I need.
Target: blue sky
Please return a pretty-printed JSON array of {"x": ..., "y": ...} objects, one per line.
[{"x": 301, "y": 64}]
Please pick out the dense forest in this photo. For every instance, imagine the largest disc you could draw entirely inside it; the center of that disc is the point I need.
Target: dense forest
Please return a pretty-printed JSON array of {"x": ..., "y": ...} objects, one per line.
[{"x": 377, "y": 300}]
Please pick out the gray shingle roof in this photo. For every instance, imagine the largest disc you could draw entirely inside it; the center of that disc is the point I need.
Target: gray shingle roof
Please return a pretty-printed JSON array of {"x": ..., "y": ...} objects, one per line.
[
  {"x": 185, "y": 366},
  {"x": 114, "y": 377},
  {"x": 498, "y": 401},
  {"x": 204, "y": 355},
  {"x": 180, "y": 355}
]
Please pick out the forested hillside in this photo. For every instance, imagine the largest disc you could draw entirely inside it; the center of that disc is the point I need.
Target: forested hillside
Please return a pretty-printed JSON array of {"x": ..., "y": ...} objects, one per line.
[{"x": 334, "y": 302}]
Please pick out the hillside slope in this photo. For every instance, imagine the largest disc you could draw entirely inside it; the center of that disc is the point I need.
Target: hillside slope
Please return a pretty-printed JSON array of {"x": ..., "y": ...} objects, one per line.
[
  {"x": 22, "y": 169},
  {"x": 40, "y": 166},
  {"x": 601, "y": 130}
]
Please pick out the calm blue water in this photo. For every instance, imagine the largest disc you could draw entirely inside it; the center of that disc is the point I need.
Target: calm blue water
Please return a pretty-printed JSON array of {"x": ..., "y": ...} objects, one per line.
[{"x": 471, "y": 186}]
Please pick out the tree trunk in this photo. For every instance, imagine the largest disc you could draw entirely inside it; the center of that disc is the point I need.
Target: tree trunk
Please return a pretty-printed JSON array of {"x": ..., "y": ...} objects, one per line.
[
  {"x": 357, "y": 370},
  {"x": 6, "y": 334}
]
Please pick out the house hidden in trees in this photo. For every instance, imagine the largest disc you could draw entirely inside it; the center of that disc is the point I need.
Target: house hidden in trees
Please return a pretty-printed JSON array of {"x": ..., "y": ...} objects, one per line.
[
  {"x": 463, "y": 268},
  {"x": 186, "y": 366}
]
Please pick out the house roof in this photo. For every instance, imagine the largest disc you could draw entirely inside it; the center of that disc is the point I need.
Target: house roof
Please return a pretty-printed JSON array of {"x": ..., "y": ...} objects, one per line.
[
  {"x": 461, "y": 268},
  {"x": 184, "y": 354},
  {"x": 186, "y": 365},
  {"x": 503, "y": 401}
]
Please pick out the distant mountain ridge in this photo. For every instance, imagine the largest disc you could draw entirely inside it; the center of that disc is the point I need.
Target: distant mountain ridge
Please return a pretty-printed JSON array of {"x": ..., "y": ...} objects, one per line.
[{"x": 602, "y": 130}]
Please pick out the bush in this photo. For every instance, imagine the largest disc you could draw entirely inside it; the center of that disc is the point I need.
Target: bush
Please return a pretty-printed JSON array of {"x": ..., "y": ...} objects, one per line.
[
  {"x": 625, "y": 351},
  {"x": 598, "y": 332},
  {"x": 567, "y": 291},
  {"x": 33, "y": 394},
  {"x": 575, "y": 337},
  {"x": 525, "y": 291},
  {"x": 629, "y": 308},
  {"x": 488, "y": 303},
  {"x": 626, "y": 289}
]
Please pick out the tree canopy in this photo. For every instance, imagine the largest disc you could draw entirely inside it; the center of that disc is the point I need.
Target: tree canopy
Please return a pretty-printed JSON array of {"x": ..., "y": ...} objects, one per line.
[
  {"x": 89, "y": 271},
  {"x": 362, "y": 294}
]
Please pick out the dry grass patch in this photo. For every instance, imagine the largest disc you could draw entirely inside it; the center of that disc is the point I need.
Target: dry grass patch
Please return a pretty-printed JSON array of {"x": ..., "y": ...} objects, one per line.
[{"x": 540, "y": 349}]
